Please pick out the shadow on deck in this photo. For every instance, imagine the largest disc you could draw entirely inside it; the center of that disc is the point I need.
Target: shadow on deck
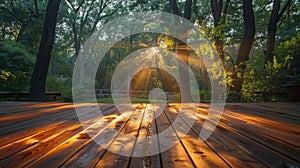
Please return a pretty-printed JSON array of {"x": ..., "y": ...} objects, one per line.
[{"x": 50, "y": 135}]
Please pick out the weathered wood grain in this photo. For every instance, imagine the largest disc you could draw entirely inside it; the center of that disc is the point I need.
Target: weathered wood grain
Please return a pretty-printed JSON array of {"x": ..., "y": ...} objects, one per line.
[{"x": 50, "y": 135}]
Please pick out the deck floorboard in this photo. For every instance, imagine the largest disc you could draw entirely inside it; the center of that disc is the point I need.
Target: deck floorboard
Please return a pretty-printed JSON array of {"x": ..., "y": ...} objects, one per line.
[{"x": 51, "y": 135}]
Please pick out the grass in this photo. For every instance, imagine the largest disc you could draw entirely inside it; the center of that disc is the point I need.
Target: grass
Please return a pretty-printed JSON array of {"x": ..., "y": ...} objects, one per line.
[{"x": 133, "y": 100}]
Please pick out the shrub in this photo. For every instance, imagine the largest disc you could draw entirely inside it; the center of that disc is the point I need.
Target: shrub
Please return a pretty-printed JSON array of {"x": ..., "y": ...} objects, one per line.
[
  {"x": 268, "y": 78},
  {"x": 16, "y": 64},
  {"x": 62, "y": 85}
]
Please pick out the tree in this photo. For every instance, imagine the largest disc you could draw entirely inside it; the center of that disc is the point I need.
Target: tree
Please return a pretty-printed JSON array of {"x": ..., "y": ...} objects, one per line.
[
  {"x": 183, "y": 51},
  {"x": 17, "y": 64},
  {"x": 21, "y": 21},
  {"x": 83, "y": 17},
  {"x": 246, "y": 44},
  {"x": 38, "y": 79},
  {"x": 275, "y": 17},
  {"x": 219, "y": 12}
]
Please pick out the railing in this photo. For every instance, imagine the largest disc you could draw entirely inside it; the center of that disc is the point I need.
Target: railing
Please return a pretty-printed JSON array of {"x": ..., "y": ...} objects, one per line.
[
  {"x": 19, "y": 95},
  {"x": 102, "y": 93}
]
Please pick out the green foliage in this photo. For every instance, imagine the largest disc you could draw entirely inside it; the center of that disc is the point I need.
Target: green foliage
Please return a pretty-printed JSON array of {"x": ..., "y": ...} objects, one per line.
[
  {"x": 62, "y": 85},
  {"x": 291, "y": 48},
  {"x": 268, "y": 78},
  {"x": 60, "y": 65},
  {"x": 293, "y": 79},
  {"x": 272, "y": 77},
  {"x": 4, "y": 75},
  {"x": 21, "y": 22},
  {"x": 14, "y": 57},
  {"x": 17, "y": 64},
  {"x": 205, "y": 95},
  {"x": 18, "y": 81}
]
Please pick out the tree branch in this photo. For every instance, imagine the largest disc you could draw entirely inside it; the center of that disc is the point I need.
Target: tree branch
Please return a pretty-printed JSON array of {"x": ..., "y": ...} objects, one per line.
[
  {"x": 70, "y": 4},
  {"x": 288, "y": 3},
  {"x": 36, "y": 7},
  {"x": 231, "y": 59},
  {"x": 104, "y": 16},
  {"x": 220, "y": 8},
  {"x": 225, "y": 11},
  {"x": 291, "y": 9},
  {"x": 80, "y": 5}
]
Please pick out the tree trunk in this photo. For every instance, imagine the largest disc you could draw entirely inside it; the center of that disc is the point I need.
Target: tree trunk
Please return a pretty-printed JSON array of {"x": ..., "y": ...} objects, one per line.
[
  {"x": 52, "y": 65},
  {"x": 77, "y": 47},
  {"x": 246, "y": 44},
  {"x": 76, "y": 40},
  {"x": 272, "y": 27},
  {"x": 184, "y": 53},
  {"x": 38, "y": 79},
  {"x": 216, "y": 8},
  {"x": 272, "y": 31}
]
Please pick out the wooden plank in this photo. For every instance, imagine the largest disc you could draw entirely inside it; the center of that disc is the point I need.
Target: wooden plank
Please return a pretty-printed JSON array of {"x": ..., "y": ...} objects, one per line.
[
  {"x": 39, "y": 145},
  {"x": 90, "y": 152},
  {"x": 176, "y": 156},
  {"x": 21, "y": 144},
  {"x": 278, "y": 130},
  {"x": 62, "y": 151},
  {"x": 255, "y": 135},
  {"x": 97, "y": 153},
  {"x": 274, "y": 111},
  {"x": 146, "y": 132},
  {"x": 259, "y": 150},
  {"x": 34, "y": 123},
  {"x": 268, "y": 138},
  {"x": 263, "y": 155},
  {"x": 200, "y": 152},
  {"x": 223, "y": 146},
  {"x": 13, "y": 118},
  {"x": 285, "y": 107},
  {"x": 24, "y": 107},
  {"x": 14, "y": 103},
  {"x": 14, "y": 132},
  {"x": 37, "y": 150},
  {"x": 86, "y": 157},
  {"x": 29, "y": 139},
  {"x": 44, "y": 124},
  {"x": 123, "y": 145}
]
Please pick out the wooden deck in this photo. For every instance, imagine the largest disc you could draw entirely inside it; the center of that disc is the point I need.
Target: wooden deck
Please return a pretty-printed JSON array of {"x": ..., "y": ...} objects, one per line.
[{"x": 50, "y": 135}]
